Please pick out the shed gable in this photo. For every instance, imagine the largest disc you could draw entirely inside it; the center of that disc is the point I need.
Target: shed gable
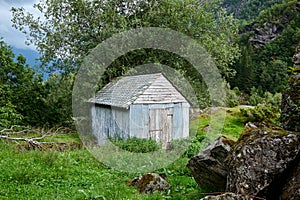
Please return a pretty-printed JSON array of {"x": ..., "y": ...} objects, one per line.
[{"x": 160, "y": 91}]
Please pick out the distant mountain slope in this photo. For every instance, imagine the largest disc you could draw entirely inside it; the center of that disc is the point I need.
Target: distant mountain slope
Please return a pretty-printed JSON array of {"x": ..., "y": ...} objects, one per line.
[
  {"x": 268, "y": 45},
  {"x": 248, "y": 9}
]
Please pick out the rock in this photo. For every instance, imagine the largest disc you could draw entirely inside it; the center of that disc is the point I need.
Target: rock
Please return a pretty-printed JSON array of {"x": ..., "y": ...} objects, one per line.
[
  {"x": 290, "y": 115},
  {"x": 290, "y": 104},
  {"x": 265, "y": 34},
  {"x": 250, "y": 125},
  {"x": 208, "y": 167},
  {"x": 291, "y": 187},
  {"x": 150, "y": 182},
  {"x": 228, "y": 196},
  {"x": 207, "y": 128},
  {"x": 296, "y": 58},
  {"x": 258, "y": 161}
]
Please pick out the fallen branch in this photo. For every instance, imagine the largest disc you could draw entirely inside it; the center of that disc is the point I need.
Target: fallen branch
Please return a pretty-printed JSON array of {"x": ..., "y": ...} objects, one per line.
[
  {"x": 33, "y": 142},
  {"x": 12, "y": 131}
]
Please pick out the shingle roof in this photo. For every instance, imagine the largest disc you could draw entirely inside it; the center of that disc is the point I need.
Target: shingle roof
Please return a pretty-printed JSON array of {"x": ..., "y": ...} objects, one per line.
[{"x": 126, "y": 90}]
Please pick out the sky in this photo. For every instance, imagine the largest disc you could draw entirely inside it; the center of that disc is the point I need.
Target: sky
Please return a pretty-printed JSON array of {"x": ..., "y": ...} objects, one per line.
[{"x": 12, "y": 36}]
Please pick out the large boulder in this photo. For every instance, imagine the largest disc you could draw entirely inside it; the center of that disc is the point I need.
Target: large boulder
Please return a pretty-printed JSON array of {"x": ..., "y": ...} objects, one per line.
[
  {"x": 208, "y": 167},
  {"x": 228, "y": 196},
  {"x": 259, "y": 161},
  {"x": 291, "y": 186}
]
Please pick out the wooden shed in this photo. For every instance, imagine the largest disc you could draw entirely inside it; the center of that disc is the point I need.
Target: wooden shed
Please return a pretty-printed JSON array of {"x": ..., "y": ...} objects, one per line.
[{"x": 142, "y": 106}]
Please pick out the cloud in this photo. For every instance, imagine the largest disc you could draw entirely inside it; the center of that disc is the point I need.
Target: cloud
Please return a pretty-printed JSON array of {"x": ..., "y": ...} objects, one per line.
[{"x": 12, "y": 36}]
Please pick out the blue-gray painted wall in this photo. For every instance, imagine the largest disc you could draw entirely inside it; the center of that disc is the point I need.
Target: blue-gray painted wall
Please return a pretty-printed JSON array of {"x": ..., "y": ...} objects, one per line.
[{"x": 134, "y": 122}]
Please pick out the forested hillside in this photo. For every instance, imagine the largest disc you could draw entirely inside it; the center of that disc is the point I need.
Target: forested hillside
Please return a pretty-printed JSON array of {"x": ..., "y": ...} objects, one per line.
[
  {"x": 267, "y": 46},
  {"x": 248, "y": 9}
]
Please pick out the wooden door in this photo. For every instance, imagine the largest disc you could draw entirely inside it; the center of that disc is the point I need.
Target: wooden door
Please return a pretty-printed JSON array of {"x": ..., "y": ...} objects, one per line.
[{"x": 160, "y": 125}]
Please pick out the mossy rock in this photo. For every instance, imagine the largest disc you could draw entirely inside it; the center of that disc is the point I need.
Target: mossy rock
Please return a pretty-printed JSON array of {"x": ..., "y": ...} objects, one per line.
[
  {"x": 259, "y": 160},
  {"x": 150, "y": 182}
]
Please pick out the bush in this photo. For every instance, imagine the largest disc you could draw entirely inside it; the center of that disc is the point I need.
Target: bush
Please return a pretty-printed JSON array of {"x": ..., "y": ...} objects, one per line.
[
  {"x": 196, "y": 146},
  {"x": 258, "y": 97},
  {"x": 255, "y": 97},
  {"x": 136, "y": 145},
  {"x": 232, "y": 97},
  {"x": 263, "y": 113},
  {"x": 190, "y": 147}
]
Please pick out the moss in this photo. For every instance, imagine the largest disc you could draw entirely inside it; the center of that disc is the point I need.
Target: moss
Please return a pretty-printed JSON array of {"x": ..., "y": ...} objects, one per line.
[
  {"x": 228, "y": 141},
  {"x": 144, "y": 181}
]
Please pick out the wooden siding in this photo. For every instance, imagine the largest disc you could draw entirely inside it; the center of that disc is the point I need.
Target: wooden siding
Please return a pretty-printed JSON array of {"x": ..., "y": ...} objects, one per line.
[
  {"x": 143, "y": 121},
  {"x": 109, "y": 121}
]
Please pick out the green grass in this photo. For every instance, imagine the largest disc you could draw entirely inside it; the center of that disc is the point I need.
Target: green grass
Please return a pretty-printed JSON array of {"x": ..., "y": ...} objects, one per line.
[
  {"x": 231, "y": 127},
  {"x": 76, "y": 174}
]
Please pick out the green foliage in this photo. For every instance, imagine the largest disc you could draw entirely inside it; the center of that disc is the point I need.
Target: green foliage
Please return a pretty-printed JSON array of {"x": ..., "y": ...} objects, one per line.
[
  {"x": 263, "y": 113},
  {"x": 258, "y": 97},
  {"x": 19, "y": 88},
  {"x": 275, "y": 72},
  {"x": 74, "y": 27},
  {"x": 58, "y": 99},
  {"x": 232, "y": 97},
  {"x": 255, "y": 98},
  {"x": 245, "y": 75},
  {"x": 9, "y": 116},
  {"x": 195, "y": 146},
  {"x": 25, "y": 99},
  {"x": 137, "y": 145}
]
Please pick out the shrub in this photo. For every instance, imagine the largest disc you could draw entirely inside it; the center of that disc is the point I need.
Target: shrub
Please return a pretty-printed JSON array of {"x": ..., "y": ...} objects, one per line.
[
  {"x": 258, "y": 97},
  {"x": 190, "y": 147},
  {"x": 263, "y": 113},
  {"x": 232, "y": 97},
  {"x": 136, "y": 145},
  {"x": 255, "y": 97}
]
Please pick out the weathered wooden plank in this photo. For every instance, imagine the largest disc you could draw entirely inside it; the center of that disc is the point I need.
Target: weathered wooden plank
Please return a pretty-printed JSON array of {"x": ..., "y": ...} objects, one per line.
[{"x": 136, "y": 123}]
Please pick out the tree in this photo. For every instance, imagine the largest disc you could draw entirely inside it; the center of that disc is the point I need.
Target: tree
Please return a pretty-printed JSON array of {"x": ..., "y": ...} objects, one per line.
[
  {"x": 25, "y": 99},
  {"x": 15, "y": 79},
  {"x": 70, "y": 28}
]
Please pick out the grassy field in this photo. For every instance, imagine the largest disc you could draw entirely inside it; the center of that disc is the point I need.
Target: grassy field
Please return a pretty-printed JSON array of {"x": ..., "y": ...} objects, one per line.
[{"x": 76, "y": 174}]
